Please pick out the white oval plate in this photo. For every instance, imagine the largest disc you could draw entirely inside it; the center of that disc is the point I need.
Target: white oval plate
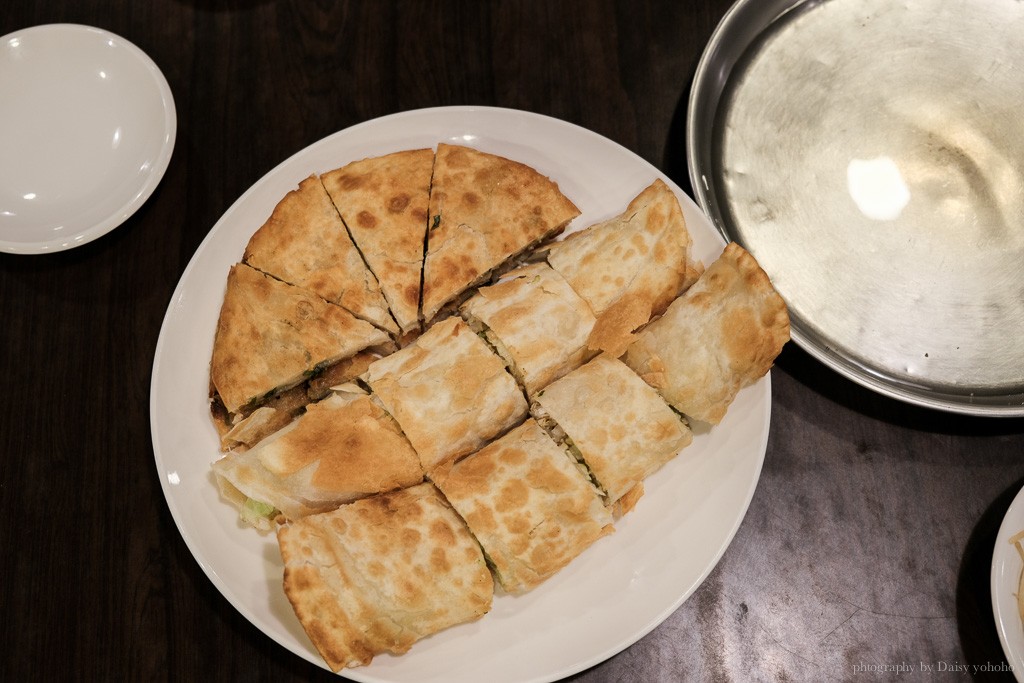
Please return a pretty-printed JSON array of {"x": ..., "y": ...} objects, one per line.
[
  {"x": 87, "y": 127},
  {"x": 610, "y": 596},
  {"x": 1006, "y": 571}
]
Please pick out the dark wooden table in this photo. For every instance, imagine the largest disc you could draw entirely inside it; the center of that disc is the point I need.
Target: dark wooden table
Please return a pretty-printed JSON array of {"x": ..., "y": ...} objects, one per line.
[{"x": 868, "y": 541}]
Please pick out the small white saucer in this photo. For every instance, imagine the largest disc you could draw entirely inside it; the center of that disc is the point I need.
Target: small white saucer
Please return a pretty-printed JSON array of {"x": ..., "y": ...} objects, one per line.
[{"x": 87, "y": 127}]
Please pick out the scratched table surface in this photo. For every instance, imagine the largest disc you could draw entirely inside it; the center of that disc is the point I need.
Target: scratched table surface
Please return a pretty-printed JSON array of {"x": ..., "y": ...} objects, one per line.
[{"x": 868, "y": 542}]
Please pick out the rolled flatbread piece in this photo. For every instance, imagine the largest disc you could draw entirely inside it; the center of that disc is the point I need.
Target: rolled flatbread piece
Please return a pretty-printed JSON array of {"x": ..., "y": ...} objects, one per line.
[
  {"x": 304, "y": 243},
  {"x": 343, "y": 448},
  {"x": 528, "y": 504},
  {"x": 448, "y": 391},
  {"x": 381, "y": 573},
  {"x": 383, "y": 201},
  {"x": 484, "y": 210},
  {"x": 271, "y": 336},
  {"x": 720, "y": 336},
  {"x": 615, "y": 423},
  {"x": 535, "y": 321},
  {"x": 630, "y": 267}
]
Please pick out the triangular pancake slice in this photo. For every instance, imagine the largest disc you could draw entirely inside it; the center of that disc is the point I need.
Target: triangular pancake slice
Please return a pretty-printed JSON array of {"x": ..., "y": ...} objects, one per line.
[
  {"x": 383, "y": 201},
  {"x": 484, "y": 210},
  {"x": 723, "y": 334},
  {"x": 630, "y": 267},
  {"x": 381, "y": 573},
  {"x": 305, "y": 243},
  {"x": 342, "y": 448},
  {"x": 271, "y": 336}
]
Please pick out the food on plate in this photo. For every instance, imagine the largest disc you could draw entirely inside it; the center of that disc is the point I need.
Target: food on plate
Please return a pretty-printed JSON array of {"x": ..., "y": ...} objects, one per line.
[
  {"x": 272, "y": 336},
  {"x": 340, "y": 449},
  {"x": 383, "y": 201},
  {"x": 448, "y": 392},
  {"x": 484, "y": 210},
  {"x": 721, "y": 335},
  {"x": 630, "y": 267},
  {"x": 528, "y": 504},
  {"x": 248, "y": 429},
  {"x": 381, "y": 573},
  {"x": 535, "y": 321},
  {"x": 304, "y": 243},
  {"x": 1016, "y": 540},
  {"x": 408, "y": 441},
  {"x": 613, "y": 422}
]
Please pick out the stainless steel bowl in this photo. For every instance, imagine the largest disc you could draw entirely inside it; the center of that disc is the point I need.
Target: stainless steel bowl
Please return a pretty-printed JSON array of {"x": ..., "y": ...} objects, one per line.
[{"x": 870, "y": 154}]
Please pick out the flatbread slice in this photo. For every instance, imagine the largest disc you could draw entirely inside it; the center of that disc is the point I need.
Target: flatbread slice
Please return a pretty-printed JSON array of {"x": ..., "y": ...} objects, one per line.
[
  {"x": 304, "y": 243},
  {"x": 248, "y": 427},
  {"x": 381, "y": 573},
  {"x": 383, "y": 201},
  {"x": 342, "y": 448},
  {"x": 630, "y": 267},
  {"x": 448, "y": 391},
  {"x": 720, "y": 336},
  {"x": 535, "y": 321},
  {"x": 528, "y": 504},
  {"x": 271, "y": 336},
  {"x": 484, "y": 210},
  {"x": 616, "y": 424}
]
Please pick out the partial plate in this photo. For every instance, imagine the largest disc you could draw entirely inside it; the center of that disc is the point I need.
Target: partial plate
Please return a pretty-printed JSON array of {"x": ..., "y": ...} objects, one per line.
[
  {"x": 1006, "y": 572},
  {"x": 612, "y": 595},
  {"x": 868, "y": 153},
  {"x": 87, "y": 127}
]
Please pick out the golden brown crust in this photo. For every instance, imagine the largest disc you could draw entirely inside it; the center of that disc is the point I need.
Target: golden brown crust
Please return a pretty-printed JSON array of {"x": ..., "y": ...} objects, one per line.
[
  {"x": 342, "y": 448},
  {"x": 624, "y": 431},
  {"x": 304, "y": 243},
  {"x": 448, "y": 392},
  {"x": 628, "y": 501},
  {"x": 272, "y": 335},
  {"x": 528, "y": 505},
  {"x": 630, "y": 267},
  {"x": 484, "y": 209},
  {"x": 720, "y": 336},
  {"x": 381, "y": 573},
  {"x": 613, "y": 331},
  {"x": 383, "y": 201},
  {"x": 536, "y": 321}
]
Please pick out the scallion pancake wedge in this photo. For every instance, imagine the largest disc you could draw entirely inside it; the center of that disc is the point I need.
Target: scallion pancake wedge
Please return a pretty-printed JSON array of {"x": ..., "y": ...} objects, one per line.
[
  {"x": 305, "y": 243},
  {"x": 484, "y": 210},
  {"x": 383, "y": 201},
  {"x": 272, "y": 335}
]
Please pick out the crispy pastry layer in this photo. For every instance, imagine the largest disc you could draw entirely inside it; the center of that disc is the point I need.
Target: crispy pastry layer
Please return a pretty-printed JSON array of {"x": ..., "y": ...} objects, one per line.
[
  {"x": 383, "y": 201},
  {"x": 528, "y": 504},
  {"x": 484, "y": 209},
  {"x": 381, "y": 573},
  {"x": 720, "y": 336},
  {"x": 304, "y": 243}
]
